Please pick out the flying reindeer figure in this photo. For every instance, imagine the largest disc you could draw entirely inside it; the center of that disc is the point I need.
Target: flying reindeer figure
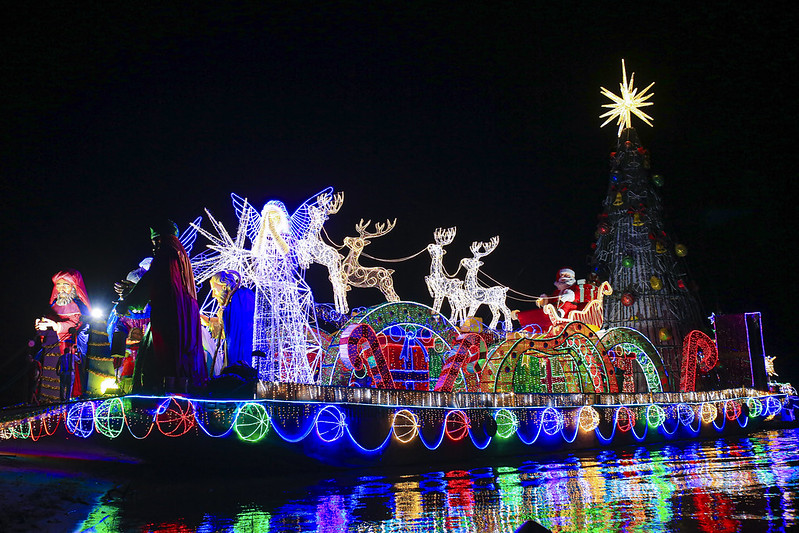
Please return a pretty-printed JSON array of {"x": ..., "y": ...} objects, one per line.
[
  {"x": 438, "y": 283},
  {"x": 312, "y": 249},
  {"x": 360, "y": 276},
  {"x": 493, "y": 297}
]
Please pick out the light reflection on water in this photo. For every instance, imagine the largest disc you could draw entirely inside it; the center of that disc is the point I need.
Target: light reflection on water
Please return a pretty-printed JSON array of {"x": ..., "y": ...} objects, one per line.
[{"x": 730, "y": 484}]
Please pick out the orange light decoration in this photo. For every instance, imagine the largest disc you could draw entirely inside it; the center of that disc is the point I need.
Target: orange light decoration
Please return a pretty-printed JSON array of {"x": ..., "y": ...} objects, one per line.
[
  {"x": 589, "y": 418},
  {"x": 175, "y": 417},
  {"x": 405, "y": 426},
  {"x": 457, "y": 425},
  {"x": 709, "y": 412}
]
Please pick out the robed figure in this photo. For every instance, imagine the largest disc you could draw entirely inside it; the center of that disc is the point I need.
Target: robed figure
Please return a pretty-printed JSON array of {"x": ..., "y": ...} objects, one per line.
[
  {"x": 61, "y": 331},
  {"x": 171, "y": 355}
]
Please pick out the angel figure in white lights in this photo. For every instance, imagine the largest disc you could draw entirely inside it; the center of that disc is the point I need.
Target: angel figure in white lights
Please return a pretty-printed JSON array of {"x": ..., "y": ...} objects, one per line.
[
  {"x": 439, "y": 284},
  {"x": 493, "y": 297},
  {"x": 283, "y": 301},
  {"x": 312, "y": 249}
]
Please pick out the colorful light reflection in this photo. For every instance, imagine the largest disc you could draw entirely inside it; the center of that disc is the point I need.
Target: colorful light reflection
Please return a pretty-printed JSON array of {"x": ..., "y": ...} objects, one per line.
[{"x": 730, "y": 484}]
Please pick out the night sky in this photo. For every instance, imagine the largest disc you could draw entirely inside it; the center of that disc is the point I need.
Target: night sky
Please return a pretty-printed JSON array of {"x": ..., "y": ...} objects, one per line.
[{"x": 480, "y": 117}]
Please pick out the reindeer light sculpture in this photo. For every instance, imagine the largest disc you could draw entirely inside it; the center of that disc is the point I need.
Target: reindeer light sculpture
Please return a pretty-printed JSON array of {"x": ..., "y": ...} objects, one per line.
[
  {"x": 361, "y": 276},
  {"x": 493, "y": 297},
  {"x": 438, "y": 283},
  {"x": 312, "y": 249}
]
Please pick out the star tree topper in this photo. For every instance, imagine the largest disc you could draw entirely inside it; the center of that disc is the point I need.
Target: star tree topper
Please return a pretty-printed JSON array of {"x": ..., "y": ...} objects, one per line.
[{"x": 628, "y": 102}]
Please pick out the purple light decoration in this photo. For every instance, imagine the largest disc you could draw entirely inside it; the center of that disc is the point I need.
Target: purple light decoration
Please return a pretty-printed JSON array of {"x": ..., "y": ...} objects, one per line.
[{"x": 80, "y": 419}]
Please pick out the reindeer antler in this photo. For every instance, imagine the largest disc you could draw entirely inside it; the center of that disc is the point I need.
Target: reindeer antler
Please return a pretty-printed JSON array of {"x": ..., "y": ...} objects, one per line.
[
  {"x": 487, "y": 247},
  {"x": 443, "y": 236},
  {"x": 380, "y": 228},
  {"x": 335, "y": 203},
  {"x": 361, "y": 226}
]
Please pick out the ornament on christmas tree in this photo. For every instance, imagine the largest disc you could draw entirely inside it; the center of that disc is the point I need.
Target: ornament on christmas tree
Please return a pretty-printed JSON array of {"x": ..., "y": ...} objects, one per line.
[
  {"x": 655, "y": 283},
  {"x": 627, "y": 299},
  {"x": 603, "y": 229},
  {"x": 637, "y": 220},
  {"x": 630, "y": 101},
  {"x": 660, "y": 247},
  {"x": 618, "y": 201},
  {"x": 680, "y": 283},
  {"x": 664, "y": 334},
  {"x": 681, "y": 250},
  {"x": 627, "y": 262},
  {"x": 657, "y": 179}
]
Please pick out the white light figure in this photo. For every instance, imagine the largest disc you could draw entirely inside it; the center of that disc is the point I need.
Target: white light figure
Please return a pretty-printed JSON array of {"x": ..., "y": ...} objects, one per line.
[
  {"x": 361, "y": 276},
  {"x": 312, "y": 249},
  {"x": 438, "y": 283},
  {"x": 281, "y": 305},
  {"x": 493, "y": 297},
  {"x": 628, "y": 102},
  {"x": 283, "y": 300}
]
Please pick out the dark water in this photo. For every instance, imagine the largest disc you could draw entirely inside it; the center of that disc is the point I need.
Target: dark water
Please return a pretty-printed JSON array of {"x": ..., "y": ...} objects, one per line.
[{"x": 731, "y": 484}]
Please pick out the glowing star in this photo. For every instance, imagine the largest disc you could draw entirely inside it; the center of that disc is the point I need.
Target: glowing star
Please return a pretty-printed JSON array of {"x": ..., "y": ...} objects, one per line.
[{"x": 630, "y": 101}]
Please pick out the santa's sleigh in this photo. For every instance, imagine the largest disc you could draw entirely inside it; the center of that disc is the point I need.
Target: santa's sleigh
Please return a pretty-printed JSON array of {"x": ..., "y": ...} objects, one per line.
[{"x": 589, "y": 311}]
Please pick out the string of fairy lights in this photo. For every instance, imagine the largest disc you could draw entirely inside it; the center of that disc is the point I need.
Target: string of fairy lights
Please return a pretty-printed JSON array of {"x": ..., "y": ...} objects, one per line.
[{"x": 254, "y": 421}]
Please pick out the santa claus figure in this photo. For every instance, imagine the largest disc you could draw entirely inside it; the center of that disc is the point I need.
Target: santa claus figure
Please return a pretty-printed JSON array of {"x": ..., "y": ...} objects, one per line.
[
  {"x": 59, "y": 331},
  {"x": 563, "y": 298}
]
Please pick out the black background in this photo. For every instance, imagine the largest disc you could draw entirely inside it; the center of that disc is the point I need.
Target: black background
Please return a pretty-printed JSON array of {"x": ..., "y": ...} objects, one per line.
[{"x": 480, "y": 116}]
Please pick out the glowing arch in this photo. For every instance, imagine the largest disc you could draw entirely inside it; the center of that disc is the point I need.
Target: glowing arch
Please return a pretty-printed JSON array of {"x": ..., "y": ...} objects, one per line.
[
  {"x": 647, "y": 356},
  {"x": 334, "y": 372}
]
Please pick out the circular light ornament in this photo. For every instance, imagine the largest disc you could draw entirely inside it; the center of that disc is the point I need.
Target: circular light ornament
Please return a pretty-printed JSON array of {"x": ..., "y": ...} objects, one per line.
[
  {"x": 405, "y": 425},
  {"x": 252, "y": 422},
  {"x": 773, "y": 406},
  {"x": 681, "y": 250},
  {"x": 655, "y": 415},
  {"x": 625, "y": 418},
  {"x": 175, "y": 417},
  {"x": 330, "y": 423},
  {"x": 655, "y": 283},
  {"x": 22, "y": 430},
  {"x": 755, "y": 407},
  {"x": 456, "y": 425},
  {"x": 685, "y": 414},
  {"x": 80, "y": 419},
  {"x": 551, "y": 421},
  {"x": 732, "y": 409},
  {"x": 109, "y": 418},
  {"x": 589, "y": 418},
  {"x": 709, "y": 412},
  {"x": 507, "y": 423}
]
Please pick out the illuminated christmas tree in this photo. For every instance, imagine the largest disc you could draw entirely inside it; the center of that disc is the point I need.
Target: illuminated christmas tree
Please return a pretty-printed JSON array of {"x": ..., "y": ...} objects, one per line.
[{"x": 634, "y": 251}]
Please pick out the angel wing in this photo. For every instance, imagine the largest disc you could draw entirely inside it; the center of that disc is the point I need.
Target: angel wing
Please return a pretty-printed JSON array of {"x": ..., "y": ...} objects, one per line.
[
  {"x": 189, "y": 236},
  {"x": 249, "y": 217},
  {"x": 300, "y": 219}
]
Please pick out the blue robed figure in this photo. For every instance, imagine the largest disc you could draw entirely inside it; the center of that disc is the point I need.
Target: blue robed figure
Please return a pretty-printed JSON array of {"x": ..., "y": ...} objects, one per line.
[{"x": 234, "y": 320}]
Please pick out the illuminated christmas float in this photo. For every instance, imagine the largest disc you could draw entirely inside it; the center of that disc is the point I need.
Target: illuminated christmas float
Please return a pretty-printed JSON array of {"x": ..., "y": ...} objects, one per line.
[{"x": 622, "y": 360}]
